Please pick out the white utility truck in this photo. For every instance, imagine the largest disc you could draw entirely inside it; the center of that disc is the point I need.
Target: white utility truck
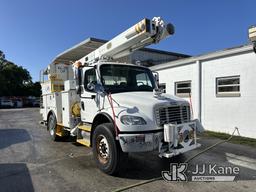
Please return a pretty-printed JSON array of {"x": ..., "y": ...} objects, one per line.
[{"x": 115, "y": 107}]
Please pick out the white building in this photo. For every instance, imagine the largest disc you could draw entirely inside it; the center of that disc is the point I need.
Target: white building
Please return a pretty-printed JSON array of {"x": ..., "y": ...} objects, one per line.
[{"x": 222, "y": 86}]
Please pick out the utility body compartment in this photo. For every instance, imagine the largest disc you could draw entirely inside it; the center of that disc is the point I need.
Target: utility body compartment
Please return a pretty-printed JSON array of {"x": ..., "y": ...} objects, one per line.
[{"x": 69, "y": 99}]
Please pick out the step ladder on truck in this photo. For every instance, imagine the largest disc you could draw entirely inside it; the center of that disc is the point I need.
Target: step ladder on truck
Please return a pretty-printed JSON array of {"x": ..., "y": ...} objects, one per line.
[{"x": 115, "y": 107}]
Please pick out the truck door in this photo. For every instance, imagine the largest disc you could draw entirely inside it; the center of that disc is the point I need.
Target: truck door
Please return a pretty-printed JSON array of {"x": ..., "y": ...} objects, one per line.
[{"x": 88, "y": 104}]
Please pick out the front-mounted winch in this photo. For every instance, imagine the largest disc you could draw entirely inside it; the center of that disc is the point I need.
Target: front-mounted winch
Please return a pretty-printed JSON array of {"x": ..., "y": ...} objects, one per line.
[{"x": 178, "y": 138}]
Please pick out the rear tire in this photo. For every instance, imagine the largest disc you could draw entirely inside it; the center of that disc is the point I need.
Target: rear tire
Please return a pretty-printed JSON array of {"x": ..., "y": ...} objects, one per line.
[
  {"x": 107, "y": 152},
  {"x": 52, "y": 126}
]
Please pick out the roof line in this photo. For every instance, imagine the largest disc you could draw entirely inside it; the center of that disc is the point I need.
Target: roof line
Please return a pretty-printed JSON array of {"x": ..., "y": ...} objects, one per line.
[
  {"x": 104, "y": 41},
  {"x": 203, "y": 57}
]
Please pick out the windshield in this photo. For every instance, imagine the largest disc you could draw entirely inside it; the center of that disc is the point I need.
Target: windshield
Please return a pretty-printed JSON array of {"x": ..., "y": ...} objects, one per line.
[{"x": 121, "y": 78}]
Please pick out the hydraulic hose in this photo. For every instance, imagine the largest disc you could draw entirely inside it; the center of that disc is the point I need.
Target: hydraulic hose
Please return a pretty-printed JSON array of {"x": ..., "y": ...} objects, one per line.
[{"x": 110, "y": 100}]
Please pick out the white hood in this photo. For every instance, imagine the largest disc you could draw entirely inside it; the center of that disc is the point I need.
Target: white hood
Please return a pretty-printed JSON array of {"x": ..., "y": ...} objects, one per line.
[
  {"x": 145, "y": 102},
  {"x": 131, "y": 99}
]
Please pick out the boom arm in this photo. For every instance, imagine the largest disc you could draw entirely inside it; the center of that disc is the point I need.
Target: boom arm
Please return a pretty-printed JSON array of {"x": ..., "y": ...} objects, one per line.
[{"x": 142, "y": 34}]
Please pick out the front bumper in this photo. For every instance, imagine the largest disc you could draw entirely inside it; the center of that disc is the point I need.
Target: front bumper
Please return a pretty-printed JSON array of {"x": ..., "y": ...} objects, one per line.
[
  {"x": 174, "y": 139},
  {"x": 142, "y": 142}
]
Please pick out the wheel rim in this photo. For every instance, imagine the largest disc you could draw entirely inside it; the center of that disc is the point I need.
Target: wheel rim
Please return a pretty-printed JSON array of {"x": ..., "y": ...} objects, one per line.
[
  {"x": 102, "y": 147},
  {"x": 51, "y": 125}
]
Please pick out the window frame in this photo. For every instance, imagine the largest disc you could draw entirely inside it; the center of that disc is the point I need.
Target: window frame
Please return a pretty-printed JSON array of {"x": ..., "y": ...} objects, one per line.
[
  {"x": 227, "y": 93},
  {"x": 182, "y": 94},
  {"x": 85, "y": 80},
  {"x": 145, "y": 69}
]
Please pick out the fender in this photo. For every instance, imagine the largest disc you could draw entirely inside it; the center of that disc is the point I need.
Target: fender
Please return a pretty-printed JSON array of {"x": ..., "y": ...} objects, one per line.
[{"x": 100, "y": 118}]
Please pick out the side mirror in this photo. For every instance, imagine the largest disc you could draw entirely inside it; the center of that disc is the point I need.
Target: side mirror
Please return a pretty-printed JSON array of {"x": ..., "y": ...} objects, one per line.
[
  {"x": 156, "y": 77},
  {"x": 91, "y": 86}
]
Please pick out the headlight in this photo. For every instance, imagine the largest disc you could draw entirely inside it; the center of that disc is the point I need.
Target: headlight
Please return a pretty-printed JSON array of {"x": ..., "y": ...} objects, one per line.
[{"x": 132, "y": 120}]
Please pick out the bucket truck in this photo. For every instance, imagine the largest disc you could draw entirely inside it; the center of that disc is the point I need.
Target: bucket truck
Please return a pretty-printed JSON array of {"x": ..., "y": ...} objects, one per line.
[{"x": 115, "y": 107}]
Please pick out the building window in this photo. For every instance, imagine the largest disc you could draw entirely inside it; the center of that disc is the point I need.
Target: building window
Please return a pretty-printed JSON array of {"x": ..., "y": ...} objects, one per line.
[
  {"x": 183, "y": 88},
  {"x": 228, "y": 86},
  {"x": 162, "y": 86}
]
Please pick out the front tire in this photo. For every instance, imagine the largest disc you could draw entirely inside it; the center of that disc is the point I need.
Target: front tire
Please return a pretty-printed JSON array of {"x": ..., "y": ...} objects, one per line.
[
  {"x": 107, "y": 152},
  {"x": 52, "y": 126}
]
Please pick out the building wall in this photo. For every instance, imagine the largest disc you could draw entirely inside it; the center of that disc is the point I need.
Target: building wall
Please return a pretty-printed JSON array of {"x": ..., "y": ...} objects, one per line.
[
  {"x": 220, "y": 114},
  {"x": 182, "y": 73}
]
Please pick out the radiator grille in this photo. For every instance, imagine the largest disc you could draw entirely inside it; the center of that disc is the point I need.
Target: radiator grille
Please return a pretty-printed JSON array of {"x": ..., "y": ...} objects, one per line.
[{"x": 172, "y": 114}]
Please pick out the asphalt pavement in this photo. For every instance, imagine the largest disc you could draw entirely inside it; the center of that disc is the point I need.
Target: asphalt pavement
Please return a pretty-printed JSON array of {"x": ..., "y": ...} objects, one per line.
[{"x": 30, "y": 161}]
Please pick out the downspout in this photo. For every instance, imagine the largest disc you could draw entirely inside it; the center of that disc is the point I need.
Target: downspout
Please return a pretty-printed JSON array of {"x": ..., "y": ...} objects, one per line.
[{"x": 199, "y": 64}]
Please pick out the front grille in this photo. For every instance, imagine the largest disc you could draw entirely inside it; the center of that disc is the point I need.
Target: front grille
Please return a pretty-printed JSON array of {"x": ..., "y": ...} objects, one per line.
[{"x": 172, "y": 114}]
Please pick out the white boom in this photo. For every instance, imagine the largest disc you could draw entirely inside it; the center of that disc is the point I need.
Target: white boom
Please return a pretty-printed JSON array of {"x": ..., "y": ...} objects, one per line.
[{"x": 142, "y": 34}]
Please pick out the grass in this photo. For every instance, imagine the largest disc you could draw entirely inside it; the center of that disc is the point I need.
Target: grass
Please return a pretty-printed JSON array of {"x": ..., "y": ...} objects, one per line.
[{"x": 235, "y": 139}]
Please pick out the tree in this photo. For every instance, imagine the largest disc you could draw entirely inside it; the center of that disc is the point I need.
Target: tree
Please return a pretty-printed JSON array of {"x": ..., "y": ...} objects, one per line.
[
  {"x": 33, "y": 89},
  {"x": 15, "y": 80},
  {"x": 3, "y": 61}
]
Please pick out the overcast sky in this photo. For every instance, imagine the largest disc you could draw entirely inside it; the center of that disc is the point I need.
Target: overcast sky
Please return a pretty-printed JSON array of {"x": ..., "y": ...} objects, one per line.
[{"x": 33, "y": 32}]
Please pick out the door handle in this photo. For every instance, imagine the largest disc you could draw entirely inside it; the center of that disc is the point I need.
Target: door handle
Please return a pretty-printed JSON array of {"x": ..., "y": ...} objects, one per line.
[{"x": 82, "y": 105}]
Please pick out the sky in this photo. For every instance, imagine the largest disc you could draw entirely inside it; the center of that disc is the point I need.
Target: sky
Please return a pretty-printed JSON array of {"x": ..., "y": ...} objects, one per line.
[{"x": 33, "y": 32}]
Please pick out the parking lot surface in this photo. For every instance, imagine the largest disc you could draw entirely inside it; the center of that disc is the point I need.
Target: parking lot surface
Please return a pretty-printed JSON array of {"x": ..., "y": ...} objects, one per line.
[{"x": 30, "y": 161}]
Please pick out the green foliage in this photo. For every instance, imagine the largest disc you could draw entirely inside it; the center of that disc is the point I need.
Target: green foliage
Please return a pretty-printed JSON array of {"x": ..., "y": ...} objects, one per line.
[
  {"x": 33, "y": 89},
  {"x": 15, "y": 80}
]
